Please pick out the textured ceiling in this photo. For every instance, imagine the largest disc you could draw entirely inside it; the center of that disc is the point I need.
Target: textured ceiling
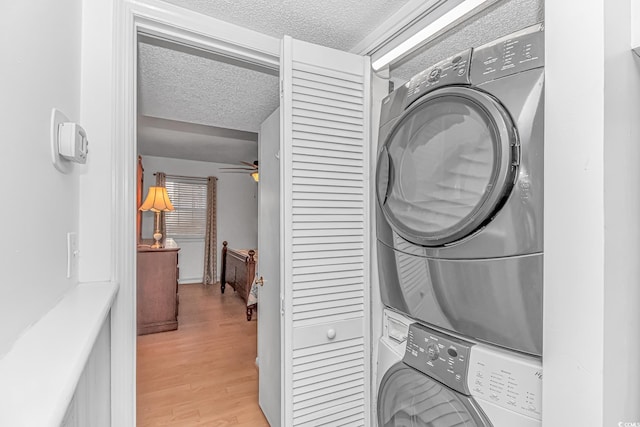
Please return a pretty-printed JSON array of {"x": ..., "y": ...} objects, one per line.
[
  {"x": 500, "y": 19},
  {"x": 334, "y": 23},
  {"x": 183, "y": 86},
  {"x": 180, "y": 86},
  {"x": 195, "y": 107}
]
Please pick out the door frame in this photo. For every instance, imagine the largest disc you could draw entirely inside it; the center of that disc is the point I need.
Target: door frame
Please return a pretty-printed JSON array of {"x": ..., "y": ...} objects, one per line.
[
  {"x": 163, "y": 21},
  {"x": 271, "y": 282}
]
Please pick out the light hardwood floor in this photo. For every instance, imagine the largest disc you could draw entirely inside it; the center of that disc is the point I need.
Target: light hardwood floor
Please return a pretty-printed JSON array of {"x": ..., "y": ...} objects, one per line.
[{"x": 204, "y": 373}]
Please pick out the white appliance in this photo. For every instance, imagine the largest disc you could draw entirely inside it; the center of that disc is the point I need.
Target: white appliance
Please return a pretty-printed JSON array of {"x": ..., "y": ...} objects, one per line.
[{"x": 445, "y": 381}]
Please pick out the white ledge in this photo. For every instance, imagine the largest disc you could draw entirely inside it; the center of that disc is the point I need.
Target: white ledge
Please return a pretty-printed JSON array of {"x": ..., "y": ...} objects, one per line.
[{"x": 39, "y": 375}]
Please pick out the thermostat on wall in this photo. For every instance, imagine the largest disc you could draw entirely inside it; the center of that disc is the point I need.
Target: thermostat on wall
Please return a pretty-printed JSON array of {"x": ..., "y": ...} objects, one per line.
[
  {"x": 68, "y": 142},
  {"x": 72, "y": 142}
]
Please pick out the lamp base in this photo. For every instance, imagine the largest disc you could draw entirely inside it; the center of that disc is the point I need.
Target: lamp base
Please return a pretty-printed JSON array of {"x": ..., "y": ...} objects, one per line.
[{"x": 158, "y": 237}]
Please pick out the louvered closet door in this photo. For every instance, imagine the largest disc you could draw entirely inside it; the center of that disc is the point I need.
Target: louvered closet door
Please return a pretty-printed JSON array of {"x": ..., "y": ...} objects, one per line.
[{"x": 325, "y": 270}]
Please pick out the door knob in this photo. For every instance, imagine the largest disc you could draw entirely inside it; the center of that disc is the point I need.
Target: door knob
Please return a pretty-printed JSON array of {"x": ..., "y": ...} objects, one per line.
[
  {"x": 331, "y": 334},
  {"x": 260, "y": 281}
]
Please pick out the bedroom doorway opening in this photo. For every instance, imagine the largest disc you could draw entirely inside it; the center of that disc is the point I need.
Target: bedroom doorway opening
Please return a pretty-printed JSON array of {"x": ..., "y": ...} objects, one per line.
[{"x": 192, "y": 372}]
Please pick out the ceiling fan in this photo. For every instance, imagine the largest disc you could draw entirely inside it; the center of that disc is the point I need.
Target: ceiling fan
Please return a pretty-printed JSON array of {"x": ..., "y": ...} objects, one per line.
[{"x": 251, "y": 168}]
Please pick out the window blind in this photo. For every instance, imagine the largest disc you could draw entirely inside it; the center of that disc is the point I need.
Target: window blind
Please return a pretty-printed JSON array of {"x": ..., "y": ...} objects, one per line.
[{"x": 189, "y": 198}]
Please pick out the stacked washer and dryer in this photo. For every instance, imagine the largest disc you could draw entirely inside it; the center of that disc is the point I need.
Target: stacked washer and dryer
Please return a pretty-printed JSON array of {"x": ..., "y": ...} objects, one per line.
[{"x": 459, "y": 235}]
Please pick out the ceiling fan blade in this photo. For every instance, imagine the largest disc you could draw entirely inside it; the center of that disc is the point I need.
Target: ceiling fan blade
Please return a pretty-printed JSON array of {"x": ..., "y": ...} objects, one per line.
[
  {"x": 238, "y": 168},
  {"x": 253, "y": 165}
]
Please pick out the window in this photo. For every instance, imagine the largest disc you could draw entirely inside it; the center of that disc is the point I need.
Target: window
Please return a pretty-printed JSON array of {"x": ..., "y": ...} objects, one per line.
[{"x": 189, "y": 198}]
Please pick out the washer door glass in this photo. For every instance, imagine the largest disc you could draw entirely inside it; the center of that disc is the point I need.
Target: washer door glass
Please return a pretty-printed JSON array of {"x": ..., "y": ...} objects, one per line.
[
  {"x": 446, "y": 166},
  {"x": 409, "y": 398}
]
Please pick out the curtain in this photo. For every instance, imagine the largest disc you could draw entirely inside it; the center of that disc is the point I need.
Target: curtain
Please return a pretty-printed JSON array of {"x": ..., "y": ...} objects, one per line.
[
  {"x": 211, "y": 234},
  {"x": 161, "y": 181}
]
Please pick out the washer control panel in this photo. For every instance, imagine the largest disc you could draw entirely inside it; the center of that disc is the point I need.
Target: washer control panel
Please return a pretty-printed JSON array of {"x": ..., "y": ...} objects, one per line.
[
  {"x": 506, "y": 379},
  {"x": 443, "y": 358},
  {"x": 451, "y": 71}
]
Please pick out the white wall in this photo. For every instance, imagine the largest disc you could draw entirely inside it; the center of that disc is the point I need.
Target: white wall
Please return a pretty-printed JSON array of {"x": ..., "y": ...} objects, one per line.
[
  {"x": 574, "y": 216},
  {"x": 237, "y": 211},
  {"x": 98, "y": 207},
  {"x": 40, "y": 45},
  {"x": 622, "y": 216},
  {"x": 96, "y": 216},
  {"x": 592, "y": 206}
]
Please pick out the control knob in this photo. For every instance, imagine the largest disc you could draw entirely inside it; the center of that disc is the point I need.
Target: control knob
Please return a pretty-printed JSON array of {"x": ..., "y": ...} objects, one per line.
[{"x": 435, "y": 74}]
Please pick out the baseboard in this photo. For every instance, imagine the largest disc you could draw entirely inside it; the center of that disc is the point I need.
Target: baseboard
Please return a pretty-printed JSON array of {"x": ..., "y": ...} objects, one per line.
[{"x": 188, "y": 280}]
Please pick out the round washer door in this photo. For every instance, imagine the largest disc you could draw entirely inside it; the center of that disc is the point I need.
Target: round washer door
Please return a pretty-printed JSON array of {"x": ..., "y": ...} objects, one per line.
[
  {"x": 409, "y": 398},
  {"x": 447, "y": 166}
]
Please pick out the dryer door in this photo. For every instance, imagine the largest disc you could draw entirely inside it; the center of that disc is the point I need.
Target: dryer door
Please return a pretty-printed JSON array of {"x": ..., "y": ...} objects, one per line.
[
  {"x": 447, "y": 166},
  {"x": 409, "y": 398}
]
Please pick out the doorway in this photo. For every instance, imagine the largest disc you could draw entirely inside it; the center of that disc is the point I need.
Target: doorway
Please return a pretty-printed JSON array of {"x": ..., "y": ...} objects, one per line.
[
  {"x": 326, "y": 131},
  {"x": 228, "y": 304}
]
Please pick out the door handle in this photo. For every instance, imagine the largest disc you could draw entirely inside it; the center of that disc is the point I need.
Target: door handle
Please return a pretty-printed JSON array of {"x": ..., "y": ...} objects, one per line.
[{"x": 260, "y": 281}]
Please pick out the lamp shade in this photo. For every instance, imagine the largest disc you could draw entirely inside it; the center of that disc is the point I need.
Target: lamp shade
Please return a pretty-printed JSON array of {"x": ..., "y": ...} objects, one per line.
[{"x": 157, "y": 200}]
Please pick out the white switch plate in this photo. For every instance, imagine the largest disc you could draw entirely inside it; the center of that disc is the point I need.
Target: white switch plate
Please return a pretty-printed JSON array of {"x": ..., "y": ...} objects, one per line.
[{"x": 72, "y": 254}]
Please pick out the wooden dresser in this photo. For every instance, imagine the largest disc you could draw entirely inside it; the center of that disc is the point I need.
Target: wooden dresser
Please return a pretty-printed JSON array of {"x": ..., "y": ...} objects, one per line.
[{"x": 157, "y": 277}]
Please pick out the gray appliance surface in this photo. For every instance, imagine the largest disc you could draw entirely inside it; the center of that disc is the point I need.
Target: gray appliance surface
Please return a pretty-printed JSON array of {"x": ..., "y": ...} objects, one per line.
[
  {"x": 428, "y": 388},
  {"x": 460, "y": 193},
  {"x": 495, "y": 300}
]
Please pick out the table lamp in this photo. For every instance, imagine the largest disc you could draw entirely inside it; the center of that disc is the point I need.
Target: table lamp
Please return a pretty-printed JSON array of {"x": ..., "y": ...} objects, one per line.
[{"x": 157, "y": 201}]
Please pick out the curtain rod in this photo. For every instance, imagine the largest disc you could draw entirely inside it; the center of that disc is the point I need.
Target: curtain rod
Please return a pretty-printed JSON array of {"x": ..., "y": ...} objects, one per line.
[{"x": 194, "y": 178}]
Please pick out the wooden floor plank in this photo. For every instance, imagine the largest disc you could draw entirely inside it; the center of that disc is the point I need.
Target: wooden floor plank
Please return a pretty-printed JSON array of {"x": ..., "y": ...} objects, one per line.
[{"x": 204, "y": 373}]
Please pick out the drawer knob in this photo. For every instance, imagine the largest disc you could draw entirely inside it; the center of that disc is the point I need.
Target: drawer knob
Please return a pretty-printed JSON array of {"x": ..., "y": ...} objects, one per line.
[{"x": 331, "y": 334}]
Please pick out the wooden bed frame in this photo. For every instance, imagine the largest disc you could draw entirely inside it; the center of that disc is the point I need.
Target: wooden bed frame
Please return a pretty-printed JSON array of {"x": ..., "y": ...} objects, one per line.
[{"x": 238, "y": 271}]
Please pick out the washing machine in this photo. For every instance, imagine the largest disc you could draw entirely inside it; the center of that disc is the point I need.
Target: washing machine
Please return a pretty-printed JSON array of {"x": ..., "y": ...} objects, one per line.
[
  {"x": 444, "y": 381},
  {"x": 459, "y": 184}
]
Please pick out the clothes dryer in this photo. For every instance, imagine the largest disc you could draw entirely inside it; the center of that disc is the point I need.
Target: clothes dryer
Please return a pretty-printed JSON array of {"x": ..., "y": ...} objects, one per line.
[
  {"x": 443, "y": 381},
  {"x": 460, "y": 191}
]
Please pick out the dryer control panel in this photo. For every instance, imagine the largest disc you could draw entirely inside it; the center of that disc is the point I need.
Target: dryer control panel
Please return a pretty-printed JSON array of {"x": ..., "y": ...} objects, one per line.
[
  {"x": 509, "y": 55},
  {"x": 443, "y": 358},
  {"x": 451, "y": 71}
]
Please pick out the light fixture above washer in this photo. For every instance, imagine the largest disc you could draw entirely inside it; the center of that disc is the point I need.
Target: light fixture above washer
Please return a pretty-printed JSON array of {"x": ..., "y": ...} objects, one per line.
[{"x": 441, "y": 24}]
